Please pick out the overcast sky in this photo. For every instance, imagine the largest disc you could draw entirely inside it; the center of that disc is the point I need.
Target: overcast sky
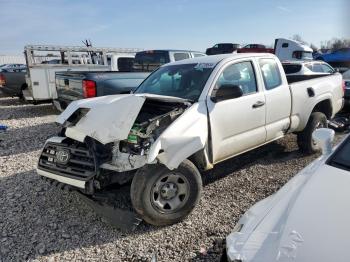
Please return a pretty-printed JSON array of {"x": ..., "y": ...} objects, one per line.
[{"x": 179, "y": 24}]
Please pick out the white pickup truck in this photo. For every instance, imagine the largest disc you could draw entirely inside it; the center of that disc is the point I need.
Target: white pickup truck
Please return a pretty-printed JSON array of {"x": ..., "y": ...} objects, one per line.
[{"x": 185, "y": 117}]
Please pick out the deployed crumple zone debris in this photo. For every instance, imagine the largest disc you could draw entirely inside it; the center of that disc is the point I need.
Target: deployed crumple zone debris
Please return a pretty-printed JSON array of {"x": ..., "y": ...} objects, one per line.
[
  {"x": 340, "y": 123},
  {"x": 117, "y": 217}
]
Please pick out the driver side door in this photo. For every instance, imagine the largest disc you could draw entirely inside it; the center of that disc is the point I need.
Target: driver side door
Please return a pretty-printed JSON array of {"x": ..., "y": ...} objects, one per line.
[{"x": 238, "y": 124}]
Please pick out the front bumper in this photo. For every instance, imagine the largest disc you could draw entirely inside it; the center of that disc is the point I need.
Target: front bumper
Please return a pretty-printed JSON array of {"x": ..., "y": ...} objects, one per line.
[
  {"x": 77, "y": 170},
  {"x": 62, "y": 179}
]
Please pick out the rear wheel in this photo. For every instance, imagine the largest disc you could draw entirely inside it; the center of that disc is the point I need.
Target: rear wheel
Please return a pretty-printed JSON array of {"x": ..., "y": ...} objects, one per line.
[
  {"x": 162, "y": 196},
  {"x": 305, "y": 141}
]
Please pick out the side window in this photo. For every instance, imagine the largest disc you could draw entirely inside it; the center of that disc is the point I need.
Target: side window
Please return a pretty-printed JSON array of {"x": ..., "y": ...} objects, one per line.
[
  {"x": 308, "y": 66},
  {"x": 285, "y": 45},
  {"x": 291, "y": 69},
  {"x": 327, "y": 69},
  {"x": 297, "y": 54},
  {"x": 317, "y": 68},
  {"x": 125, "y": 64},
  {"x": 271, "y": 73},
  {"x": 181, "y": 56},
  {"x": 240, "y": 74}
]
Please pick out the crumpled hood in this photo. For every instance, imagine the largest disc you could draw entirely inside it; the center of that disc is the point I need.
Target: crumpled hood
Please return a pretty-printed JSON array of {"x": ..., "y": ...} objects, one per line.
[
  {"x": 307, "y": 220},
  {"x": 109, "y": 118}
]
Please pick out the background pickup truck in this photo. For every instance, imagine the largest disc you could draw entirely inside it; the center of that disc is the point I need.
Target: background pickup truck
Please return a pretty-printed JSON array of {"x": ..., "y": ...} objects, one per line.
[
  {"x": 222, "y": 48},
  {"x": 185, "y": 117},
  {"x": 72, "y": 86},
  {"x": 13, "y": 82},
  {"x": 147, "y": 61},
  {"x": 255, "y": 48}
]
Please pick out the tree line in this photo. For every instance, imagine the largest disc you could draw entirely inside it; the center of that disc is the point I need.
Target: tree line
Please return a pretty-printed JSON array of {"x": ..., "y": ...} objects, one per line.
[{"x": 332, "y": 44}]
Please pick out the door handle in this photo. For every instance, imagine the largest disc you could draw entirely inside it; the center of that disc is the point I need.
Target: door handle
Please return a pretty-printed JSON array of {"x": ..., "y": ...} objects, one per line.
[{"x": 258, "y": 104}]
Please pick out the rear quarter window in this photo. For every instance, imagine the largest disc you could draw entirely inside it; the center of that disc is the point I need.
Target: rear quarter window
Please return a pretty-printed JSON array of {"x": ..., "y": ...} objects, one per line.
[
  {"x": 291, "y": 69},
  {"x": 125, "y": 64},
  {"x": 271, "y": 73},
  {"x": 181, "y": 56}
]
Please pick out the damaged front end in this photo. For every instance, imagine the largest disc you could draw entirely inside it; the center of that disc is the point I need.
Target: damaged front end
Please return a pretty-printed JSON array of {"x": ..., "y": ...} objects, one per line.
[
  {"x": 102, "y": 142},
  {"x": 154, "y": 117}
]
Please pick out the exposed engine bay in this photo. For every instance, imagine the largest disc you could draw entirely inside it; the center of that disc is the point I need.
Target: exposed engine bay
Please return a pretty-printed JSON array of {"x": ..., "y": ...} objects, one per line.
[{"x": 155, "y": 116}]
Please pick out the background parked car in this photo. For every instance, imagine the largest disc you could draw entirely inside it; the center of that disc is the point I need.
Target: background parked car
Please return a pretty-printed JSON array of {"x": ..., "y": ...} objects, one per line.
[
  {"x": 222, "y": 48},
  {"x": 44, "y": 61},
  {"x": 307, "y": 68},
  {"x": 302, "y": 70},
  {"x": 307, "y": 219},
  {"x": 147, "y": 61},
  {"x": 13, "y": 82},
  {"x": 12, "y": 67},
  {"x": 255, "y": 48},
  {"x": 72, "y": 86}
]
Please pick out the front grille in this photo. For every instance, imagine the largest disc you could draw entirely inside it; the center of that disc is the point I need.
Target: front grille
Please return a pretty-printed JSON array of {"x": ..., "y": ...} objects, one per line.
[{"x": 80, "y": 164}]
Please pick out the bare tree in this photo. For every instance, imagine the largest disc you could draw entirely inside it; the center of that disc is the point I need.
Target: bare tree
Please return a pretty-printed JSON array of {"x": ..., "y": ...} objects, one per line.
[
  {"x": 335, "y": 43},
  {"x": 298, "y": 38},
  {"x": 313, "y": 47}
]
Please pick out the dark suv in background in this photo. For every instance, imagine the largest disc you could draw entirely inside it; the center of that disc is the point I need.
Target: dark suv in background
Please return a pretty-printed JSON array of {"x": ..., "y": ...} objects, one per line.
[{"x": 222, "y": 48}]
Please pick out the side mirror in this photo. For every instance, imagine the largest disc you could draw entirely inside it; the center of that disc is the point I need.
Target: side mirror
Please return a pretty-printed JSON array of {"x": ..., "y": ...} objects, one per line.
[
  {"x": 225, "y": 92},
  {"x": 324, "y": 138}
]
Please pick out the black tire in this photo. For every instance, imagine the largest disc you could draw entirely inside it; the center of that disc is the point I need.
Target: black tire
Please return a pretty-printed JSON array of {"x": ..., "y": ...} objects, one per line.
[
  {"x": 20, "y": 95},
  {"x": 144, "y": 190},
  {"x": 305, "y": 141}
]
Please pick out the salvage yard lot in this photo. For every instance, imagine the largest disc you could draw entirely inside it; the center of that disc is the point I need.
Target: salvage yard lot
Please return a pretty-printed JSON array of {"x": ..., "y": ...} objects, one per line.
[{"x": 41, "y": 222}]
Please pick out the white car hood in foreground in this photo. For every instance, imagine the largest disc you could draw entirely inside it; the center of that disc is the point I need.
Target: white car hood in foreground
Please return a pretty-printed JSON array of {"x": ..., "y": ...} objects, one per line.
[{"x": 306, "y": 220}]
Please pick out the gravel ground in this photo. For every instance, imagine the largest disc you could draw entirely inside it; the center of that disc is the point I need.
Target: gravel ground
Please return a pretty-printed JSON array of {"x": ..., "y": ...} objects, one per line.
[{"x": 39, "y": 222}]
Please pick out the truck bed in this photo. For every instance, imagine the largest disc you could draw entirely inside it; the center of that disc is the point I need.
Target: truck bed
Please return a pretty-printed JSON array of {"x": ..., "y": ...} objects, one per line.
[
  {"x": 314, "y": 89},
  {"x": 69, "y": 85}
]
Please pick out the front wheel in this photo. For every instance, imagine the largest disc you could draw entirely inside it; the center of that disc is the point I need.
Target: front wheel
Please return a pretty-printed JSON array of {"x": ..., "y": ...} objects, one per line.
[
  {"x": 164, "y": 197},
  {"x": 305, "y": 142}
]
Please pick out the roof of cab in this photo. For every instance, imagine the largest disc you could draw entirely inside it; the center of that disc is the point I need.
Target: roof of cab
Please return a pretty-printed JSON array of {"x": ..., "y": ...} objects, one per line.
[
  {"x": 301, "y": 62},
  {"x": 215, "y": 59}
]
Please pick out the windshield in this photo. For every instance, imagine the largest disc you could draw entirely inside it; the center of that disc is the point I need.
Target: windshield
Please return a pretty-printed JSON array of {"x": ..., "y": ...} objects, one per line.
[
  {"x": 303, "y": 55},
  {"x": 185, "y": 81},
  {"x": 341, "y": 158},
  {"x": 307, "y": 55}
]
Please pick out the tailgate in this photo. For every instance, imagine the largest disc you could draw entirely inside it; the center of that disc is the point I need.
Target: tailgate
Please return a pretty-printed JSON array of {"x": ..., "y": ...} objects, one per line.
[{"x": 69, "y": 86}]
